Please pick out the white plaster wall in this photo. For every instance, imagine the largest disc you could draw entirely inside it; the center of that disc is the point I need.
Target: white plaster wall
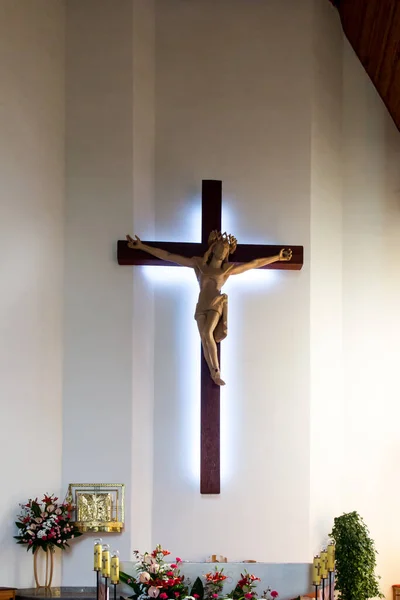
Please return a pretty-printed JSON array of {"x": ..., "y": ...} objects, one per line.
[
  {"x": 233, "y": 102},
  {"x": 31, "y": 247},
  {"x": 143, "y": 297},
  {"x": 327, "y": 403},
  {"x": 97, "y": 410},
  {"x": 355, "y": 218},
  {"x": 371, "y": 325}
]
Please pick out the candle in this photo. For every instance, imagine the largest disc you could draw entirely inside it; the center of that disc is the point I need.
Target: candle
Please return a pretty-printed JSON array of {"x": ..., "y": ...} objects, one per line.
[
  {"x": 316, "y": 576},
  {"x": 105, "y": 570},
  {"x": 115, "y": 567},
  {"x": 97, "y": 554},
  {"x": 324, "y": 568},
  {"x": 331, "y": 557}
]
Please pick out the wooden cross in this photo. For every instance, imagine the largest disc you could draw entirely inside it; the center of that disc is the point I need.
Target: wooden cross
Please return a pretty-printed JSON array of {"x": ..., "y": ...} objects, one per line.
[{"x": 211, "y": 209}]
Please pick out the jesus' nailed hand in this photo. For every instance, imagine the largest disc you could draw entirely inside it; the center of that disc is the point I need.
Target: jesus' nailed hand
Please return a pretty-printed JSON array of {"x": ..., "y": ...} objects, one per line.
[{"x": 212, "y": 271}]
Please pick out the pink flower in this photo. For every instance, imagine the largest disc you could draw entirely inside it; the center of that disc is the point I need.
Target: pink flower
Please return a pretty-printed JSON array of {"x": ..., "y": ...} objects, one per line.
[
  {"x": 153, "y": 592},
  {"x": 196, "y": 596},
  {"x": 215, "y": 595},
  {"x": 174, "y": 566},
  {"x": 163, "y": 596},
  {"x": 129, "y": 581},
  {"x": 176, "y": 594},
  {"x": 178, "y": 560},
  {"x": 274, "y": 594},
  {"x": 145, "y": 578},
  {"x": 249, "y": 595},
  {"x": 154, "y": 568}
]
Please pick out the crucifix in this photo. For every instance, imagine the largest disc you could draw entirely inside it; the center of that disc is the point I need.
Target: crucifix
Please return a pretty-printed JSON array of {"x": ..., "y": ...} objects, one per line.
[{"x": 209, "y": 259}]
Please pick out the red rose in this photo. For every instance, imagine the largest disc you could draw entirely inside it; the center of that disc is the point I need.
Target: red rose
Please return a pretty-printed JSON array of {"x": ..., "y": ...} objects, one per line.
[{"x": 274, "y": 594}]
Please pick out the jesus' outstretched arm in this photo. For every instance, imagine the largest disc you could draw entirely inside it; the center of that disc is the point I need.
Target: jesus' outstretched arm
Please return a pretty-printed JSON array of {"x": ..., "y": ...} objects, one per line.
[
  {"x": 137, "y": 244},
  {"x": 284, "y": 255}
]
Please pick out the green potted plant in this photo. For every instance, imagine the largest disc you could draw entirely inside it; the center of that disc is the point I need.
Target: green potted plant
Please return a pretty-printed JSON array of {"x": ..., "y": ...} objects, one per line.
[{"x": 355, "y": 554}]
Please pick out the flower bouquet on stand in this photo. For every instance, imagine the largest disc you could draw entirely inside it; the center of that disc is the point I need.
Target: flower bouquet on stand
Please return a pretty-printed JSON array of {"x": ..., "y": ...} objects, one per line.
[{"x": 45, "y": 525}]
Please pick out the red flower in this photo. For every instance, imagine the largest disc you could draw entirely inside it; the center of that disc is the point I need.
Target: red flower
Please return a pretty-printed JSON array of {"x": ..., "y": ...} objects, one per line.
[
  {"x": 163, "y": 596},
  {"x": 215, "y": 595},
  {"x": 178, "y": 560},
  {"x": 165, "y": 552},
  {"x": 196, "y": 596},
  {"x": 249, "y": 595},
  {"x": 177, "y": 594},
  {"x": 170, "y": 574},
  {"x": 174, "y": 566},
  {"x": 274, "y": 594}
]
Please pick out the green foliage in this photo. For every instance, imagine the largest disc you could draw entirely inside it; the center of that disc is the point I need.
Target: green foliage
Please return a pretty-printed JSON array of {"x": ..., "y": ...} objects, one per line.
[
  {"x": 236, "y": 593},
  {"x": 198, "y": 588},
  {"x": 131, "y": 581},
  {"x": 355, "y": 559}
]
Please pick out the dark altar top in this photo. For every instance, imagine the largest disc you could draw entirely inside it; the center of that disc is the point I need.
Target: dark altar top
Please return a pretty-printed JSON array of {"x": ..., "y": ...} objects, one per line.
[{"x": 65, "y": 593}]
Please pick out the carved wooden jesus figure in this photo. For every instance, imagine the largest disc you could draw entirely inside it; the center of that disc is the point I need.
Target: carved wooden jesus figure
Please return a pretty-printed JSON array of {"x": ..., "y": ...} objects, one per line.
[{"x": 212, "y": 271}]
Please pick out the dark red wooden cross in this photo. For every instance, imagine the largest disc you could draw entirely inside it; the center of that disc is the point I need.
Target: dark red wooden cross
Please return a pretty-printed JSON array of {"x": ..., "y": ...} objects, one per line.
[{"x": 211, "y": 209}]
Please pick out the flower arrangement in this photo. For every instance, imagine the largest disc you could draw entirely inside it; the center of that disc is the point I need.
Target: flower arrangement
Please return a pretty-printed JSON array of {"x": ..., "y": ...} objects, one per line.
[
  {"x": 155, "y": 577},
  {"x": 214, "y": 584},
  {"x": 45, "y": 524},
  {"x": 245, "y": 587}
]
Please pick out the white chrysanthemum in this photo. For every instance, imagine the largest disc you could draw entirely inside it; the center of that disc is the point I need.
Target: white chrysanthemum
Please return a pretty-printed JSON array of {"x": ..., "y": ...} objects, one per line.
[{"x": 40, "y": 534}]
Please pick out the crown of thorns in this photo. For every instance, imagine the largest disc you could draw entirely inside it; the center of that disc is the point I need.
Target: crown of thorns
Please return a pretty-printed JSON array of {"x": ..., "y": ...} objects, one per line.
[{"x": 226, "y": 238}]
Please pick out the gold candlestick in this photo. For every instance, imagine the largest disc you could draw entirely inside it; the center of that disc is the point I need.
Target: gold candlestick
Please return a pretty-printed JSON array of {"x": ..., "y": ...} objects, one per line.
[
  {"x": 105, "y": 568},
  {"x": 331, "y": 558},
  {"x": 324, "y": 561},
  {"x": 98, "y": 554},
  {"x": 316, "y": 568},
  {"x": 115, "y": 567}
]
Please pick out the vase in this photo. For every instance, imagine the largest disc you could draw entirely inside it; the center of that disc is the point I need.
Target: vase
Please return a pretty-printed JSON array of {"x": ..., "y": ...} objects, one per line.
[{"x": 49, "y": 564}]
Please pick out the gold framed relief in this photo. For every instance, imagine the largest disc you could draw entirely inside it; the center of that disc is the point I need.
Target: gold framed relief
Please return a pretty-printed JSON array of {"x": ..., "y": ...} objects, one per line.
[{"x": 98, "y": 506}]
